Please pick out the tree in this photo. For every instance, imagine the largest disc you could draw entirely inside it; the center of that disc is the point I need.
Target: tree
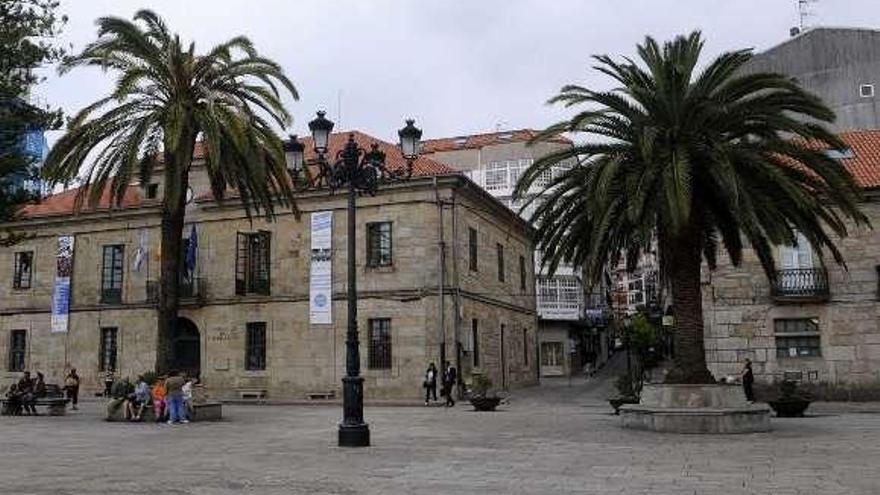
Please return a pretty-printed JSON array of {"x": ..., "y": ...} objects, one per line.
[
  {"x": 690, "y": 161},
  {"x": 166, "y": 97},
  {"x": 27, "y": 29}
]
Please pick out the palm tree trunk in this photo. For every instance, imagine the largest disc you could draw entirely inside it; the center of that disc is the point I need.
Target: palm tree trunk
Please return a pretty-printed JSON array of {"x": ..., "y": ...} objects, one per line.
[
  {"x": 173, "y": 212},
  {"x": 684, "y": 257}
]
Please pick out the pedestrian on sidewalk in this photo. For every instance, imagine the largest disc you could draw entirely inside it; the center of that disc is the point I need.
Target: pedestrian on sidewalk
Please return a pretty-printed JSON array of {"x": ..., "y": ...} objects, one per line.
[
  {"x": 748, "y": 380},
  {"x": 450, "y": 375},
  {"x": 174, "y": 389},
  {"x": 71, "y": 388},
  {"x": 430, "y": 383}
]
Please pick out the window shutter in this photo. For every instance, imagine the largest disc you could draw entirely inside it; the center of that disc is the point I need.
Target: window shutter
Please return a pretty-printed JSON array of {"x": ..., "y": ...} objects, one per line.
[
  {"x": 241, "y": 263},
  {"x": 266, "y": 257}
]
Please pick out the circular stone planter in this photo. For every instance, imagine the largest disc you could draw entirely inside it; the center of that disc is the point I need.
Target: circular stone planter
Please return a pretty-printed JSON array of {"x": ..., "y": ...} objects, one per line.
[
  {"x": 485, "y": 403},
  {"x": 789, "y": 408},
  {"x": 695, "y": 409}
]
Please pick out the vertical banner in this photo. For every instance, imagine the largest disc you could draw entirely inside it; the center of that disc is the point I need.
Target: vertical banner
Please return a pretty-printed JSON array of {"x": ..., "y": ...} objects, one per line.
[
  {"x": 61, "y": 294},
  {"x": 321, "y": 270}
]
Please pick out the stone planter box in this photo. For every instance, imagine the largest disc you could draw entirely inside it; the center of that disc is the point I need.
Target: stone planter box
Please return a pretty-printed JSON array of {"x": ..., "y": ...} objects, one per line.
[
  {"x": 485, "y": 403},
  {"x": 789, "y": 408}
]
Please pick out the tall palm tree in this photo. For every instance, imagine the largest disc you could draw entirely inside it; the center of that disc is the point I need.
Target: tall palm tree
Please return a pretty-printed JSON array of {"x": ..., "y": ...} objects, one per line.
[
  {"x": 166, "y": 97},
  {"x": 686, "y": 161}
]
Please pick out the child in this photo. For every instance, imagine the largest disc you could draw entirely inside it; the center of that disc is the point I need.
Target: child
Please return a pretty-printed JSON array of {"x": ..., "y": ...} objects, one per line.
[{"x": 159, "y": 393}]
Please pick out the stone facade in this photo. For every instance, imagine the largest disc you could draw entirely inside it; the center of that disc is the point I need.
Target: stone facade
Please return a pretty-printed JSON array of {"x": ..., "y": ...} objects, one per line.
[
  {"x": 740, "y": 314},
  {"x": 300, "y": 358}
]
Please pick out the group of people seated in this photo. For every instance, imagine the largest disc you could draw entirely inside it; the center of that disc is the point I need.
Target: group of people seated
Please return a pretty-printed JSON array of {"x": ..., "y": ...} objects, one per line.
[
  {"x": 21, "y": 398},
  {"x": 170, "y": 397}
]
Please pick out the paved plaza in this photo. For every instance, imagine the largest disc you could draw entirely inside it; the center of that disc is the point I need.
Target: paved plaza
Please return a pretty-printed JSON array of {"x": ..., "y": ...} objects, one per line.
[{"x": 554, "y": 438}]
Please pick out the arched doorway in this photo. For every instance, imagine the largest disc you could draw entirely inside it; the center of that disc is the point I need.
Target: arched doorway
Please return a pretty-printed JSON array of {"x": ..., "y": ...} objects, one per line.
[{"x": 186, "y": 349}]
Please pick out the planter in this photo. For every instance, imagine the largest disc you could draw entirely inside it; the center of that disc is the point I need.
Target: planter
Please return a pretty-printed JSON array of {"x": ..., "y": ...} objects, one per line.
[
  {"x": 789, "y": 408},
  {"x": 616, "y": 402},
  {"x": 485, "y": 403}
]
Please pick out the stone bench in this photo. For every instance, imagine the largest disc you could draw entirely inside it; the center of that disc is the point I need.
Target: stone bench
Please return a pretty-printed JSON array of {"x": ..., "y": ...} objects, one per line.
[
  {"x": 322, "y": 395},
  {"x": 202, "y": 411}
]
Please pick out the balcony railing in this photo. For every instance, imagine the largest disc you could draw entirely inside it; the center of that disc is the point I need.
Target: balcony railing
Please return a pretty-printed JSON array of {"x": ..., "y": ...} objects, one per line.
[
  {"x": 190, "y": 291},
  {"x": 799, "y": 284}
]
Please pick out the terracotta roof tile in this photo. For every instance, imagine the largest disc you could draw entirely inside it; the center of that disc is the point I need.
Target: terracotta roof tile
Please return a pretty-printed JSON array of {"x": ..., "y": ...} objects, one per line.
[
  {"x": 63, "y": 203},
  {"x": 480, "y": 140},
  {"x": 865, "y": 162}
]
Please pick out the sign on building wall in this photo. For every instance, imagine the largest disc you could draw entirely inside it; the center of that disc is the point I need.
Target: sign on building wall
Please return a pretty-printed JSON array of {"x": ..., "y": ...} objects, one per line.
[
  {"x": 321, "y": 271},
  {"x": 61, "y": 294}
]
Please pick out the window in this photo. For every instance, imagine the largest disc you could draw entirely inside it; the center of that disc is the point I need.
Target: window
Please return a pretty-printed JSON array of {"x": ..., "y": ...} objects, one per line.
[
  {"x": 379, "y": 244},
  {"x": 17, "y": 350},
  {"x": 475, "y": 338},
  {"x": 472, "y": 249},
  {"x": 152, "y": 191},
  {"x": 252, "y": 263},
  {"x": 866, "y": 90},
  {"x": 255, "y": 346},
  {"x": 798, "y": 256},
  {"x": 551, "y": 354},
  {"x": 24, "y": 269},
  {"x": 500, "y": 250},
  {"x": 108, "y": 349},
  {"x": 496, "y": 176},
  {"x": 111, "y": 274},
  {"x": 797, "y": 337},
  {"x": 525, "y": 336},
  {"x": 379, "y": 352},
  {"x": 522, "y": 274}
]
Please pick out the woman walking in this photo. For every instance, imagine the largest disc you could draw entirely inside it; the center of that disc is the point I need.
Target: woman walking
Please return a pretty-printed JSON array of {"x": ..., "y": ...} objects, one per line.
[
  {"x": 430, "y": 383},
  {"x": 748, "y": 379}
]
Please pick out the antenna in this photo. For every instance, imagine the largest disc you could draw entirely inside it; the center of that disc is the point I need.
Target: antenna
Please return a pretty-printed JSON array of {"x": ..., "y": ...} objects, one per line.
[
  {"x": 339, "y": 108},
  {"x": 804, "y": 12}
]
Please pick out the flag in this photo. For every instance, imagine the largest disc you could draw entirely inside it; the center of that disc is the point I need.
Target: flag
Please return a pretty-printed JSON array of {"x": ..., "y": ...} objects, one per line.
[
  {"x": 140, "y": 255},
  {"x": 191, "y": 249}
]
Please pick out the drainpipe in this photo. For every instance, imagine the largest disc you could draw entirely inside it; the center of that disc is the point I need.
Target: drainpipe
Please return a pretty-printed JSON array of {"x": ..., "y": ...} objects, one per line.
[
  {"x": 441, "y": 275},
  {"x": 456, "y": 289}
]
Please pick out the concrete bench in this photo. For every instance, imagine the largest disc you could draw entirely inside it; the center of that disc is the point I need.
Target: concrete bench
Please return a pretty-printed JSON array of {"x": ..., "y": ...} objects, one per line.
[
  {"x": 322, "y": 395},
  {"x": 54, "y": 401}
]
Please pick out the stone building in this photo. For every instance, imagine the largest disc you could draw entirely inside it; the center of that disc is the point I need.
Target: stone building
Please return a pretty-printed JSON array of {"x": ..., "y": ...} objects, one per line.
[
  {"x": 572, "y": 321},
  {"x": 818, "y": 324},
  {"x": 246, "y": 321},
  {"x": 840, "y": 65}
]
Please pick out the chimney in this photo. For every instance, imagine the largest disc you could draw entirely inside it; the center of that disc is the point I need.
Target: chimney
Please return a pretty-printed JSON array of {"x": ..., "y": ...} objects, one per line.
[{"x": 794, "y": 31}]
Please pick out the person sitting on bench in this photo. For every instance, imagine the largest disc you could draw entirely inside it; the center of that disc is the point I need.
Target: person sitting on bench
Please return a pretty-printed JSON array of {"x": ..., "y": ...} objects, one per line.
[
  {"x": 28, "y": 398},
  {"x": 13, "y": 401}
]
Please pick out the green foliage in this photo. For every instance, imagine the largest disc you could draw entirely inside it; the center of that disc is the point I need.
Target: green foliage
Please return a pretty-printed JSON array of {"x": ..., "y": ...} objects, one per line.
[
  {"x": 675, "y": 153},
  {"x": 789, "y": 389},
  {"x": 628, "y": 387},
  {"x": 150, "y": 377},
  {"x": 166, "y": 96},
  {"x": 27, "y": 31},
  {"x": 121, "y": 388},
  {"x": 481, "y": 385}
]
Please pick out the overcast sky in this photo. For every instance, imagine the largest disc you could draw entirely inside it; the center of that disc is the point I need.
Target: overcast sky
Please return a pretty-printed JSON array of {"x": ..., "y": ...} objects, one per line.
[{"x": 457, "y": 66}]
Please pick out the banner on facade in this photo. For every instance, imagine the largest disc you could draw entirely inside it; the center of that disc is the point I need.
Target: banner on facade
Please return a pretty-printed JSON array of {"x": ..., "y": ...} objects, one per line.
[
  {"x": 321, "y": 271},
  {"x": 61, "y": 293}
]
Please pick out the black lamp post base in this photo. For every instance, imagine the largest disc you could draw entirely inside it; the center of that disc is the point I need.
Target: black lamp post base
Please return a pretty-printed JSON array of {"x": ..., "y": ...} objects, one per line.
[{"x": 354, "y": 435}]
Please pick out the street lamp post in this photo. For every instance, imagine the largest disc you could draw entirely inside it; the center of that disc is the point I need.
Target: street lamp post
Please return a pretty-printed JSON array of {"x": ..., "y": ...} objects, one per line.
[{"x": 361, "y": 171}]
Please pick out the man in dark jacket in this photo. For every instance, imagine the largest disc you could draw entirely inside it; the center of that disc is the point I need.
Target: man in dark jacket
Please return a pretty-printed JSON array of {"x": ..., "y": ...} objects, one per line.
[{"x": 450, "y": 375}]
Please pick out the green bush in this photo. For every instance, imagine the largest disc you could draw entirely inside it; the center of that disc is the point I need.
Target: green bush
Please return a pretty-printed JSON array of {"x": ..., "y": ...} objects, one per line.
[
  {"x": 481, "y": 385},
  {"x": 151, "y": 377}
]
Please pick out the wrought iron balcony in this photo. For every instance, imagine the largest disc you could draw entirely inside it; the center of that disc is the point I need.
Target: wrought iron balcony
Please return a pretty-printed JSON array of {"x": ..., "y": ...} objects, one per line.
[
  {"x": 190, "y": 291},
  {"x": 801, "y": 285}
]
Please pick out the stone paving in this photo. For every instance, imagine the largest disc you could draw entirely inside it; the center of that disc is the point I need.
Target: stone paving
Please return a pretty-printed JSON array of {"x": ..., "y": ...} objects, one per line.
[{"x": 551, "y": 439}]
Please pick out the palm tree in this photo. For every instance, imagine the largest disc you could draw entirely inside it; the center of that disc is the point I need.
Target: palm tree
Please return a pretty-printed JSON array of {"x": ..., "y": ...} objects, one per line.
[
  {"x": 165, "y": 98},
  {"x": 687, "y": 161}
]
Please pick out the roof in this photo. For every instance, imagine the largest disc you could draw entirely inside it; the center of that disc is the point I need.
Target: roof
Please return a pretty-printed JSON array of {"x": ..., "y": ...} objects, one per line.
[
  {"x": 865, "y": 162},
  {"x": 473, "y": 141},
  {"x": 422, "y": 166},
  {"x": 63, "y": 203}
]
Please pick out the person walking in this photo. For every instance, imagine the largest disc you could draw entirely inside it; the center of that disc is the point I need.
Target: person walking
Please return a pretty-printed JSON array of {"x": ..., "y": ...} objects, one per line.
[
  {"x": 28, "y": 398},
  {"x": 748, "y": 380},
  {"x": 108, "y": 384},
  {"x": 430, "y": 383},
  {"x": 174, "y": 388},
  {"x": 188, "y": 397},
  {"x": 71, "y": 388},
  {"x": 450, "y": 375}
]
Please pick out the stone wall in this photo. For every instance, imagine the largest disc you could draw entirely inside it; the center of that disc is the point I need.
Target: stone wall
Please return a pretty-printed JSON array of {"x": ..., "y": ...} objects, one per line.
[
  {"x": 739, "y": 315},
  {"x": 301, "y": 358}
]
